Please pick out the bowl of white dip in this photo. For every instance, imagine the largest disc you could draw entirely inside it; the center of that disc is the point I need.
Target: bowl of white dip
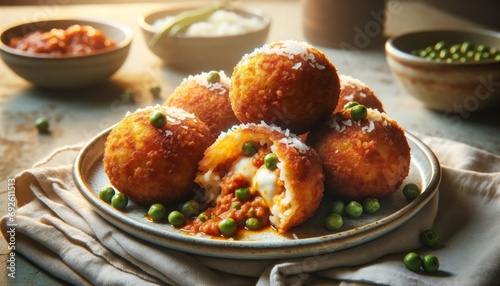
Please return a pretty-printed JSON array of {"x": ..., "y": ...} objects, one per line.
[{"x": 216, "y": 42}]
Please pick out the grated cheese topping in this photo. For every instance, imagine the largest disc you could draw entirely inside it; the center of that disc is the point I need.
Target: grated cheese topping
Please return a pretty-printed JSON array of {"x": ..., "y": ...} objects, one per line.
[
  {"x": 201, "y": 79},
  {"x": 290, "y": 49},
  {"x": 175, "y": 116},
  {"x": 346, "y": 80},
  {"x": 339, "y": 124}
]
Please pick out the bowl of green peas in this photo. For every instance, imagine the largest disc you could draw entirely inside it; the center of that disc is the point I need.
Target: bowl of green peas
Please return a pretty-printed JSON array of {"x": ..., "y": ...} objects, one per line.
[{"x": 451, "y": 71}]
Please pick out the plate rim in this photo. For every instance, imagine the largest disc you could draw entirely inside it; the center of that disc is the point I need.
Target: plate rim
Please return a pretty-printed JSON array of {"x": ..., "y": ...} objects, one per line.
[{"x": 293, "y": 248}]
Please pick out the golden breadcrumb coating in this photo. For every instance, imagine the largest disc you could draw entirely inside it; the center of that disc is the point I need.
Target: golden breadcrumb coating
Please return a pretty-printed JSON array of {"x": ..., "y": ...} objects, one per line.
[
  {"x": 362, "y": 158},
  {"x": 299, "y": 174},
  {"x": 207, "y": 100},
  {"x": 155, "y": 165},
  {"x": 352, "y": 89},
  {"x": 287, "y": 83}
]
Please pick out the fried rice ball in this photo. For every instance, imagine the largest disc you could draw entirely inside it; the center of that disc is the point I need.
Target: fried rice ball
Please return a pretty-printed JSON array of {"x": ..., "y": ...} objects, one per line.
[
  {"x": 287, "y": 83},
  {"x": 207, "y": 96},
  {"x": 155, "y": 165},
  {"x": 352, "y": 89},
  {"x": 361, "y": 158},
  {"x": 283, "y": 194}
]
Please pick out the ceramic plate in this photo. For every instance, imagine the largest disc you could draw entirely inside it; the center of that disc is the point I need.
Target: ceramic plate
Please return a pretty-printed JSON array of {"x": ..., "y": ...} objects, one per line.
[{"x": 310, "y": 238}]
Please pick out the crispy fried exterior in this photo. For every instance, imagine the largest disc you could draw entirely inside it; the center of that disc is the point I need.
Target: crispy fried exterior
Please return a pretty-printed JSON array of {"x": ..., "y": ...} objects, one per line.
[
  {"x": 208, "y": 101},
  {"x": 153, "y": 165},
  {"x": 352, "y": 89},
  {"x": 290, "y": 84},
  {"x": 367, "y": 160},
  {"x": 300, "y": 170}
]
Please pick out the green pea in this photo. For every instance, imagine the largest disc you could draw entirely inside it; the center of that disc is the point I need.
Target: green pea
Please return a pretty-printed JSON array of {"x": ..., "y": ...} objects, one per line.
[
  {"x": 191, "y": 208},
  {"x": 428, "y": 50},
  {"x": 463, "y": 59},
  {"x": 119, "y": 201},
  {"x": 477, "y": 57},
  {"x": 412, "y": 261},
  {"x": 449, "y": 60},
  {"x": 236, "y": 205},
  {"x": 203, "y": 217},
  {"x": 107, "y": 194},
  {"x": 42, "y": 124},
  {"x": 271, "y": 161},
  {"x": 242, "y": 194},
  {"x": 213, "y": 77},
  {"x": 334, "y": 222},
  {"x": 455, "y": 49},
  {"x": 423, "y": 53},
  {"x": 250, "y": 148},
  {"x": 456, "y": 57},
  {"x": 440, "y": 45},
  {"x": 359, "y": 112},
  {"x": 444, "y": 54},
  {"x": 158, "y": 119},
  {"x": 176, "y": 218},
  {"x": 481, "y": 48},
  {"x": 155, "y": 90},
  {"x": 470, "y": 54},
  {"x": 227, "y": 226},
  {"x": 429, "y": 238},
  {"x": 157, "y": 211},
  {"x": 493, "y": 51},
  {"x": 350, "y": 104},
  {"x": 433, "y": 55},
  {"x": 354, "y": 209},
  {"x": 485, "y": 55},
  {"x": 411, "y": 191},
  {"x": 338, "y": 207},
  {"x": 253, "y": 223},
  {"x": 497, "y": 57},
  {"x": 371, "y": 205},
  {"x": 430, "y": 263},
  {"x": 466, "y": 47},
  {"x": 128, "y": 96}
]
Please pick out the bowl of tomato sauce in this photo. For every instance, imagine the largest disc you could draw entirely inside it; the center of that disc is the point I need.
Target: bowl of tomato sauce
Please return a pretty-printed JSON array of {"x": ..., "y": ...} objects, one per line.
[{"x": 65, "y": 53}]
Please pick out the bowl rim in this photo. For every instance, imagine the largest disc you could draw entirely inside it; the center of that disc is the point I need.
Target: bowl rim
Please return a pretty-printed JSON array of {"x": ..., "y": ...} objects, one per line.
[
  {"x": 141, "y": 20},
  {"x": 394, "y": 51},
  {"x": 44, "y": 56}
]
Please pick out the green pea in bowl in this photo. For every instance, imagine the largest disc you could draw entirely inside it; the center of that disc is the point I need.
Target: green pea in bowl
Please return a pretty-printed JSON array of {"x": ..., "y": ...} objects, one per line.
[{"x": 451, "y": 71}]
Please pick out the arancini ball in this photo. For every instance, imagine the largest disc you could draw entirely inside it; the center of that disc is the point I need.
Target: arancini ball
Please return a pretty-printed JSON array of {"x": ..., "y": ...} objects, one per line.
[
  {"x": 282, "y": 175},
  {"x": 207, "y": 96},
  {"x": 287, "y": 83},
  {"x": 361, "y": 158},
  {"x": 352, "y": 89},
  {"x": 151, "y": 163}
]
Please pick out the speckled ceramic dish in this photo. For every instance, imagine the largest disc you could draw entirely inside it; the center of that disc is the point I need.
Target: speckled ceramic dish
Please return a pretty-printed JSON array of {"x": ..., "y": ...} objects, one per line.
[{"x": 309, "y": 238}]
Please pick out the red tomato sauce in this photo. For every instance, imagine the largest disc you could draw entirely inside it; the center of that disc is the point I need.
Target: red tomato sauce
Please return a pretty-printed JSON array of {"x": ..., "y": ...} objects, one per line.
[{"x": 75, "y": 40}]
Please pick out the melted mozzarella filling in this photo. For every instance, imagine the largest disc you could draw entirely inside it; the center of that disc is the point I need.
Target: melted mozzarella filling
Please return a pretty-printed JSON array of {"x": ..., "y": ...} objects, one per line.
[{"x": 261, "y": 180}]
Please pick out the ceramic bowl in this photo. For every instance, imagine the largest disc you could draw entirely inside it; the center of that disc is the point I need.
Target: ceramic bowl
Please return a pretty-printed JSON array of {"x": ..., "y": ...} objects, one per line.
[
  {"x": 66, "y": 71},
  {"x": 195, "y": 54},
  {"x": 448, "y": 87}
]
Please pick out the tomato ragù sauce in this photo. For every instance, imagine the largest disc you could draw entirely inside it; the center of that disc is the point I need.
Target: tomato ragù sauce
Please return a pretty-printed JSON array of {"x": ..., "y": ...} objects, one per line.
[{"x": 75, "y": 40}]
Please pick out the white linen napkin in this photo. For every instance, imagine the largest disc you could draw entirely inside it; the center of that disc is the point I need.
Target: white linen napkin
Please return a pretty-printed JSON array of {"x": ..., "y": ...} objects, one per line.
[{"x": 60, "y": 232}]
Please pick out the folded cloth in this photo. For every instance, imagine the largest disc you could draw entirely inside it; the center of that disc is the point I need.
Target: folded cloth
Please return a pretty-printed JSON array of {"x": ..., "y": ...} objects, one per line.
[{"x": 59, "y": 231}]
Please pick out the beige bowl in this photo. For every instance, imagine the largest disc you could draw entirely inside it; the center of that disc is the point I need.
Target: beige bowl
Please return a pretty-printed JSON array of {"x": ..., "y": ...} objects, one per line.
[
  {"x": 197, "y": 54},
  {"x": 448, "y": 87},
  {"x": 66, "y": 71}
]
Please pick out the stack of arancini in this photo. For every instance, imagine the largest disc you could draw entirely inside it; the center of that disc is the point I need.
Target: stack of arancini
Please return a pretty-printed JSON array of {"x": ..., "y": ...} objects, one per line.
[{"x": 279, "y": 90}]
